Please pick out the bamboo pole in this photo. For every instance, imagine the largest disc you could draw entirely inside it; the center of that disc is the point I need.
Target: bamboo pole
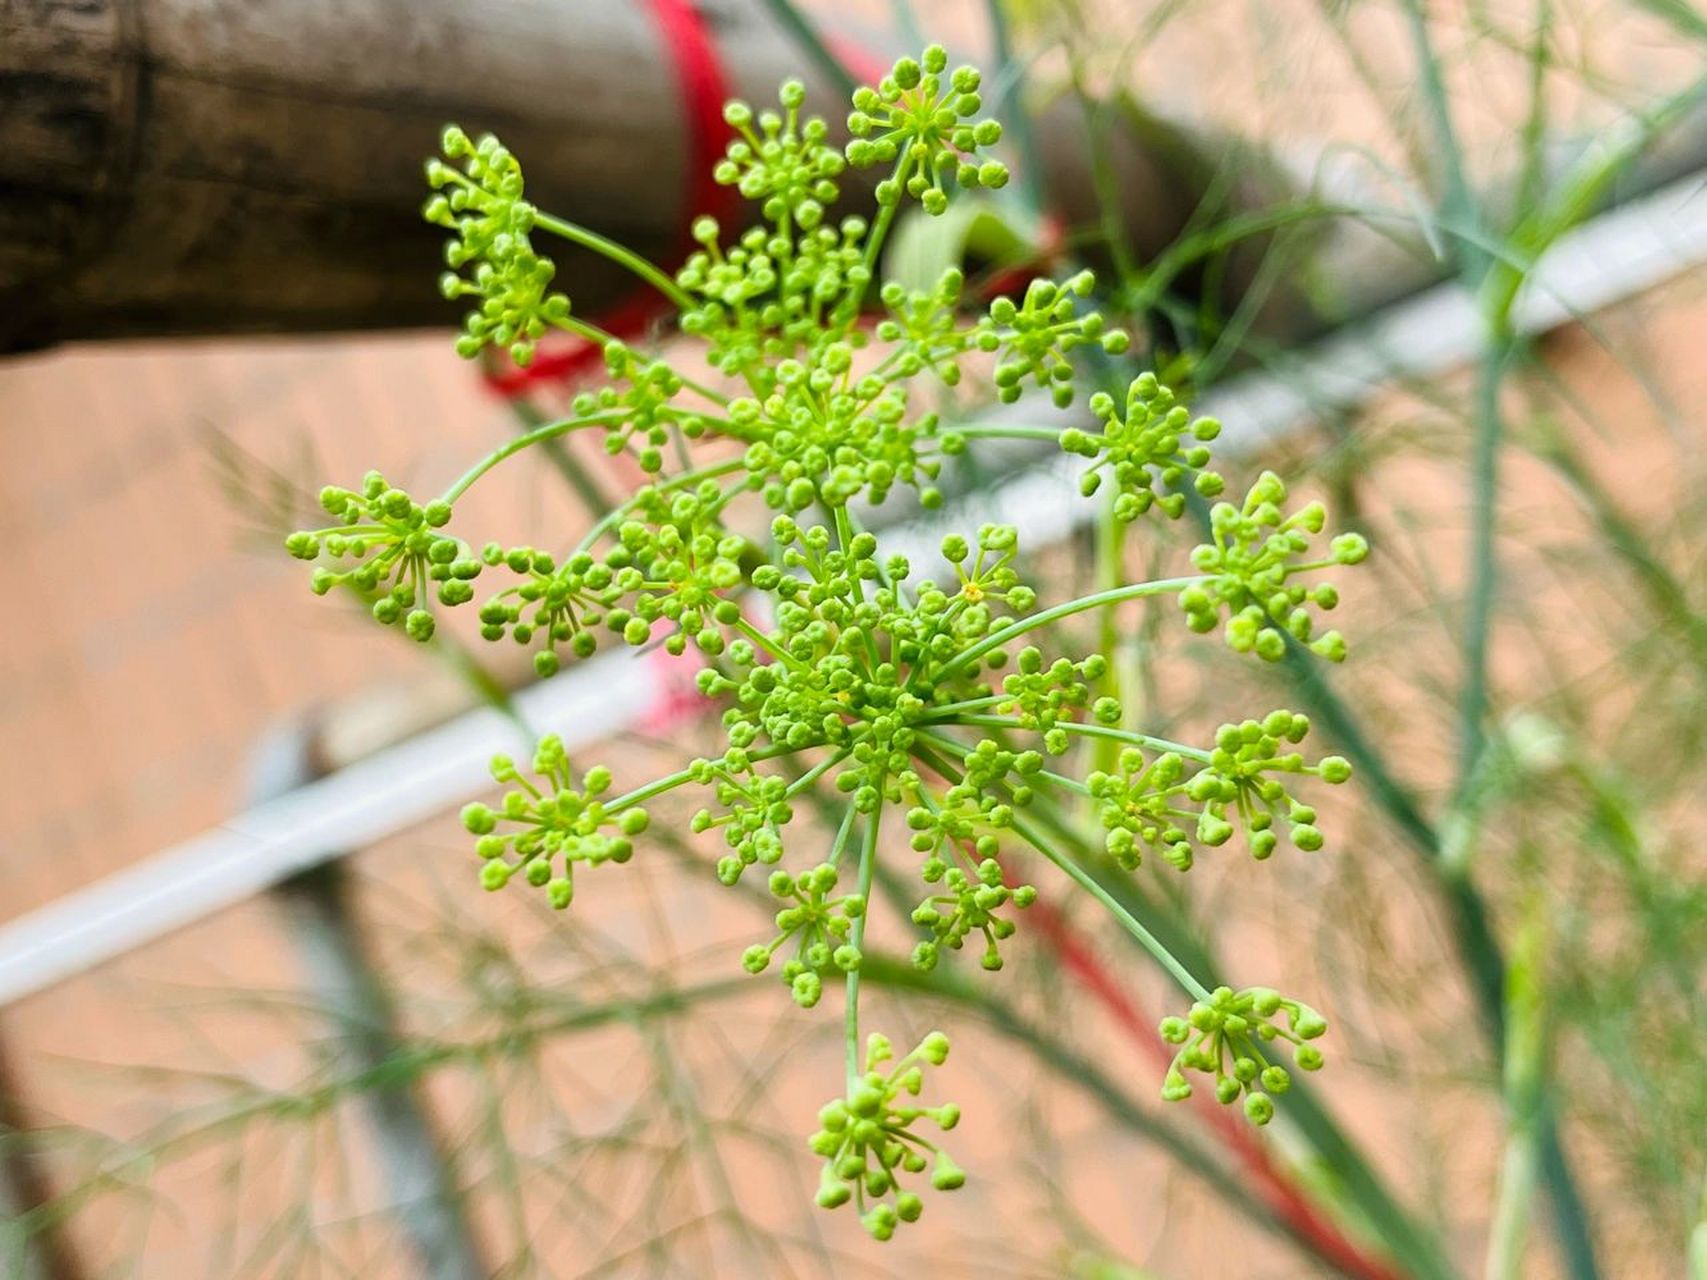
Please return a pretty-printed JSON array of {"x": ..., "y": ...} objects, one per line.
[
  {"x": 220, "y": 166},
  {"x": 175, "y": 167}
]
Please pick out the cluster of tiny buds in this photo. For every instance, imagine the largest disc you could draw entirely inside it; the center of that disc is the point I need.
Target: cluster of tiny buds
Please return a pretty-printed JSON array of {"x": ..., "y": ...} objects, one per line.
[
  {"x": 755, "y": 807},
  {"x": 542, "y": 831},
  {"x": 1041, "y": 698},
  {"x": 868, "y": 1138},
  {"x": 1224, "y": 1037},
  {"x": 891, "y": 685},
  {"x": 396, "y": 544},
  {"x": 927, "y": 129},
  {"x": 825, "y": 435},
  {"x": 1249, "y": 566},
  {"x": 968, "y": 905},
  {"x": 773, "y": 291},
  {"x": 483, "y": 204},
  {"x": 924, "y": 322},
  {"x": 1145, "y": 443},
  {"x": 558, "y": 603},
  {"x": 1038, "y": 334},
  {"x": 1240, "y": 781},
  {"x": 1236, "y": 786},
  {"x": 785, "y": 167},
  {"x": 818, "y": 924}
]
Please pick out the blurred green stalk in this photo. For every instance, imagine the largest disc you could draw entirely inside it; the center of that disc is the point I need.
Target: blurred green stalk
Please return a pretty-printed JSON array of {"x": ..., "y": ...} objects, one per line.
[{"x": 1525, "y": 1063}]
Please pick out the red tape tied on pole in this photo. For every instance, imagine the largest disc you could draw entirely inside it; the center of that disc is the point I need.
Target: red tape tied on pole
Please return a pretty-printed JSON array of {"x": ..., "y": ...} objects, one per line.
[{"x": 704, "y": 89}]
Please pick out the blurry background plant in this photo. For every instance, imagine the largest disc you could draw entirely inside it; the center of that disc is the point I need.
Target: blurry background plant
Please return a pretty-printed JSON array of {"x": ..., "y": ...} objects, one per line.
[{"x": 1508, "y": 930}]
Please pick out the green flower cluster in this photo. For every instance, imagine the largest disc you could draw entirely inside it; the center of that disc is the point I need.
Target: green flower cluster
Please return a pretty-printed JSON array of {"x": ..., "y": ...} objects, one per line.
[
  {"x": 1248, "y": 573},
  {"x": 1236, "y": 786},
  {"x": 640, "y": 405},
  {"x": 492, "y": 258},
  {"x": 1240, "y": 786},
  {"x": 1045, "y": 698},
  {"x": 926, "y": 129},
  {"x": 396, "y": 544},
  {"x": 1143, "y": 444},
  {"x": 1137, "y": 807},
  {"x": 1224, "y": 1037},
  {"x": 868, "y": 1139},
  {"x": 772, "y": 292},
  {"x": 553, "y": 603},
  {"x": 680, "y": 564},
  {"x": 968, "y": 904},
  {"x": 787, "y": 167},
  {"x": 754, "y": 808},
  {"x": 542, "y": 831},
  {"x": 827, "y": 436},
  {"x": 855, "y": 662},
  {"x": 817, "y": 924},
  {"x": 924, "y": 326},
  {"x": 930, "y": 704},
  {"x": 1038, "y": 335}
]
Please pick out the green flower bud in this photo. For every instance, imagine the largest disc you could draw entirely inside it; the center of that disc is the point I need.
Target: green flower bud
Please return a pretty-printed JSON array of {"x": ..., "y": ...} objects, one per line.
[{"x": 946, "y": 1175}]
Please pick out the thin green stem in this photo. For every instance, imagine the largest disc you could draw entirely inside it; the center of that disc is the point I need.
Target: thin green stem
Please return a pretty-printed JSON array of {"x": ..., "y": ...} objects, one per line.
[
  {"x": 1064, "y": 782},
  {"x": 1484, "y": 564},
  {"x": 1110, "y": 572},
  {"x": 1128, "y": 921},
  {"x": 1413, "y": 1246},
  {"x": 670, "y": 781},
  {"x": 1532, "y": 179},
  {"x": 1102, "y": 599},
  {"x": 1457, "y": 205},
  {"x": 945, "y": 714},
  {"x": 764, "y": 642},
  {"x": 844, "y": 538},
  {"x": 1054, "y": 779},
  {"x": 1524, "y": 1070},
  {"x": 996, "y": 431},
  {"x": 591, "y": 494},
  {"x": 856, "y": 938},
  {"x": 817, "y": 771},
  {"x": 1106, "y": 732},
  {"x": 797, "y": 24},
  {"x": 626, "y": 258},
  {"x": 1110, "y": 212},
  {"x": 513, "y": 446},
  {"x": 886, "y": 215},
  {"x": 602, "y": 338},
  {"x": 844, "y": 829},
  {"x": 599, "y": 337},
  {"x": 1010, "y": 105}
]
